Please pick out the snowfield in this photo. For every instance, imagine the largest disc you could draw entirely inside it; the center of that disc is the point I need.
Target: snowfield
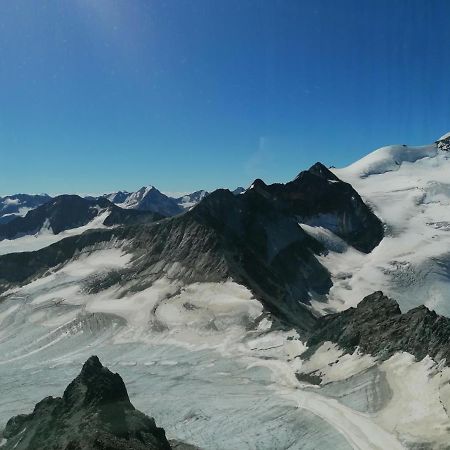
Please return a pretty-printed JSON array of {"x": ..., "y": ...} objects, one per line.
[{"x": 202, "y": 359}]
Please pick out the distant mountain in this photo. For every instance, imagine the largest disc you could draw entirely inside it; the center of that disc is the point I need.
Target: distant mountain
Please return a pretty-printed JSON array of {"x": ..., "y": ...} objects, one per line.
[
  {"x": 148, "y": 198},
  {"x": 67, "y": 212},
  {"x": 239, "y": 190},
  {"x": 189, "y": 200},
  {"x": 18, "y": 205},
  {"x": 118, "y": 197}
]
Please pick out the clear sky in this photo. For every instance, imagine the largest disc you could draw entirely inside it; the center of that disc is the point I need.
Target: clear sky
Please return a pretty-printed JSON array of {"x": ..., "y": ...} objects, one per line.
[{"x": 97, "y": 95}]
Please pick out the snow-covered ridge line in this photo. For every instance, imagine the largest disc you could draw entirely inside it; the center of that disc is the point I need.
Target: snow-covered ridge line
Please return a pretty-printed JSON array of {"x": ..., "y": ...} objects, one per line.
[{"x": 388, "y": 159}]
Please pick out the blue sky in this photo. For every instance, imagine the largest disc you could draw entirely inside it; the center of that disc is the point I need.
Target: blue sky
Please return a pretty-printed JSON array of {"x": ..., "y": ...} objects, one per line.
[{"x": 97, "y": 95}]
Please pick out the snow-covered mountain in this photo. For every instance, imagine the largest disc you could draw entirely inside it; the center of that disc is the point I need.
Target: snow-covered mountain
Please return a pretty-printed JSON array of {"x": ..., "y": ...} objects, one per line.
[
  {"x": 18, "y": 205},
  {"x": 147, "y": 198},
  {"x": 189, "y": 200},
  {"x": 246, "y": 312},
  {"x": 408, "y": 188}
]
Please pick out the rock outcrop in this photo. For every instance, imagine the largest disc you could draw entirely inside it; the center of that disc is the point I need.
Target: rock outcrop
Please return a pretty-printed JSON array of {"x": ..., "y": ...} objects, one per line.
[{"x": 378, "y": 327}]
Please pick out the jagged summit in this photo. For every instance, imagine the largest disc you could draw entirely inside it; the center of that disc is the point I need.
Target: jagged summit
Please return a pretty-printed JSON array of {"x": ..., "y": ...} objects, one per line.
[
  {"x": 319, "y": 170},
  {"x": 94, "y": 413},
  {"x": 317, "y": 197},
  {"x": 96, "y": 385}
]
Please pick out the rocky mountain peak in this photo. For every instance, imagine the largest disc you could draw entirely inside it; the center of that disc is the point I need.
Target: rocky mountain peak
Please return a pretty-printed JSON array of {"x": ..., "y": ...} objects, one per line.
[
  {"x": 97, "y": 385},
  {"x": 379, "y": 304},
  {"x": 94, "y": 413},
  {"x": 321, "y": 171}
]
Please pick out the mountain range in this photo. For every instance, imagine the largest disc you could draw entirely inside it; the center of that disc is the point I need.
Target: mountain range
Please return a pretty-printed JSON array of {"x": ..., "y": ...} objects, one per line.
[
  {"x": 306, "y": 314},
  {"x": 147, "y": 198}
]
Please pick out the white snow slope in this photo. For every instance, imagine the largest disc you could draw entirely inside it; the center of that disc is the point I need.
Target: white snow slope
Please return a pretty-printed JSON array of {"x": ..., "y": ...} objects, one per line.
[
  {"x": 409, "y": 190},
  {"x": 203, "y": 360}
]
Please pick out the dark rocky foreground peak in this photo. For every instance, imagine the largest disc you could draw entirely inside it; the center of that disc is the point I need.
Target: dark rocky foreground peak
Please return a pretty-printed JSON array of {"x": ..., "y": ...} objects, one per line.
[
  {"x": 94, "y": 413},
  {"x": 378, "y": 327}
]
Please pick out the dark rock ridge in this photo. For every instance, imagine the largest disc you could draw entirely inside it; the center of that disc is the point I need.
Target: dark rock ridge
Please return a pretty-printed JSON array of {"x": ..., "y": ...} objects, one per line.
[
  {"x": 225, "y": 236},
  {"x": 378, "y": 327},
  {"x": 12, "y": 205},
  {"x": 318, "y": 197},
  {"x": 93, "y": 413},
  {"x": 70, "y": 211}
]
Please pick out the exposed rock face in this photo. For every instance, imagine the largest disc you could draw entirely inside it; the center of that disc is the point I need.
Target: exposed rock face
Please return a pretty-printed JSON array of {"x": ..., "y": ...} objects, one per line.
[
  {"x": 378, "y": 327},
  {"x": 318, "y": 197},
  {"x": 94, "y": 413}
]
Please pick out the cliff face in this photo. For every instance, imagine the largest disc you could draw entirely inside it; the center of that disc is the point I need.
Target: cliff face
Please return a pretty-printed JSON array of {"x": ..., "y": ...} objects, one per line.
[{"x": 318, "y": 197}]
